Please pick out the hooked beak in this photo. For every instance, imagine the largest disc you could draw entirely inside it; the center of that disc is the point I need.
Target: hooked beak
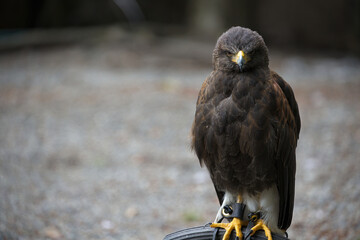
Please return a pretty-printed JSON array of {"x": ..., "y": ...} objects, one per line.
[{"x": 240, "y": 58}]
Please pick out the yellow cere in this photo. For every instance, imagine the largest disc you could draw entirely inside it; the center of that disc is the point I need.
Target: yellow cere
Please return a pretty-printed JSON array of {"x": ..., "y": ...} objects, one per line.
[
  {"x": 245, "y": 56},
  {"x": 240, "y": 57}
]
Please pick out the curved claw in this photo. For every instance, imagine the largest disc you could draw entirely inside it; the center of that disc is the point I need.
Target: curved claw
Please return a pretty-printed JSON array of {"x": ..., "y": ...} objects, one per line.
[
  {"x": 260, "y": 225},
  {"x": 236, "y": 224}
]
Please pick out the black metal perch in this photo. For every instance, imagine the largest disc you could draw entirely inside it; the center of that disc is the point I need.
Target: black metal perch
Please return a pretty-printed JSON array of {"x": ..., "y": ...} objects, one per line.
[
  {"x": 229, "y": 212},
  {"x": 208, "y": 233}
]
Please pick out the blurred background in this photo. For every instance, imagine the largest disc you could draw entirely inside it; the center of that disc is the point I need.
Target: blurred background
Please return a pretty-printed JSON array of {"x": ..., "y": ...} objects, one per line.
[{"x": 97, "y": 100}]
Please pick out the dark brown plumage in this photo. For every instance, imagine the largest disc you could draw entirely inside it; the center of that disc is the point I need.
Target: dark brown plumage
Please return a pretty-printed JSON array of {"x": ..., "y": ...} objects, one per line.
[{"x": 247, "y": 123}]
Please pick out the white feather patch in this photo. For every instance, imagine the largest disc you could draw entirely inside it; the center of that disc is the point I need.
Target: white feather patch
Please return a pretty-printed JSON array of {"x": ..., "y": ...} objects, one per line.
[
  {"x": 228, "y": 200},
  {"x": 267, "y": 202}
]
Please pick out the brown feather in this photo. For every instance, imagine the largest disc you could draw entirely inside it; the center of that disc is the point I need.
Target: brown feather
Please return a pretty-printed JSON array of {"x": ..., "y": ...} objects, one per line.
[{"x": 247, "y": 124}]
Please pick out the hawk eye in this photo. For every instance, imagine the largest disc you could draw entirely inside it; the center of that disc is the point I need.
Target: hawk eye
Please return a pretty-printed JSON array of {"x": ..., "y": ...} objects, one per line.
[{"x": 228, "y": 53}]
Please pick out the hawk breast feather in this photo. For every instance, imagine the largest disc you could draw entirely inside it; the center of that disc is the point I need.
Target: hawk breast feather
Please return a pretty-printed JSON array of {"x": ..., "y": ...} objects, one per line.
[{"x": 245, "y": 131}]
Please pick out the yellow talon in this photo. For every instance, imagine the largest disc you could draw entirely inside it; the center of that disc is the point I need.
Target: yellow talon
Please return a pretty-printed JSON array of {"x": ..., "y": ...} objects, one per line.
[
  {"x": 236, "y": 224},
  {"x": 261, "y": 225}
]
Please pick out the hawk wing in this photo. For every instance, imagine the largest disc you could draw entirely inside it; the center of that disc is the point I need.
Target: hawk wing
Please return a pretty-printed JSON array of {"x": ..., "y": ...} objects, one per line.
[
  {"x": 288, "y": 131},
  {"x": 203, "y": 110}
]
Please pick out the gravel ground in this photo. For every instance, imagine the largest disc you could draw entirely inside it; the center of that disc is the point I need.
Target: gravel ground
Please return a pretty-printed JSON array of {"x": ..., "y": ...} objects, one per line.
[{"x": 94, "y": 139}]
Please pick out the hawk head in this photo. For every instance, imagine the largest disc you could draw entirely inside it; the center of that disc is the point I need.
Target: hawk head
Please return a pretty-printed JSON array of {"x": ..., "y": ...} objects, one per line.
[{"x": 240, "y": 49}]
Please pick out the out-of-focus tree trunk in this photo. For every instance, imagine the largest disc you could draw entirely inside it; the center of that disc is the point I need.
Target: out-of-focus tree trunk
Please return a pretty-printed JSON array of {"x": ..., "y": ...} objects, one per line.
[
  {"x": 212, "y": 17},
  {"x": 206, "y": 17}
]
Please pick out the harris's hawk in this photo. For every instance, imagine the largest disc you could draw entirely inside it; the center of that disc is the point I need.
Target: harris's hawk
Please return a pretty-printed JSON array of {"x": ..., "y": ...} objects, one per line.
[{"x": 245, "y": 131}]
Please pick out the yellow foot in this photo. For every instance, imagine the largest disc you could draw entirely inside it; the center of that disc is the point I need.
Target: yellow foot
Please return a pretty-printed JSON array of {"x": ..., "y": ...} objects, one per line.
[
  {"x": 260, "y": 225},
  {"x": 236, "y": 224}
]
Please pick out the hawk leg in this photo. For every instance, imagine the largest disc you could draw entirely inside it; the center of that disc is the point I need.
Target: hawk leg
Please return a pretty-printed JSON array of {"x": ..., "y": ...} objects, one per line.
[
  {"x": 236, "y": 224},
  {"x": 259, "y": 225}
]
